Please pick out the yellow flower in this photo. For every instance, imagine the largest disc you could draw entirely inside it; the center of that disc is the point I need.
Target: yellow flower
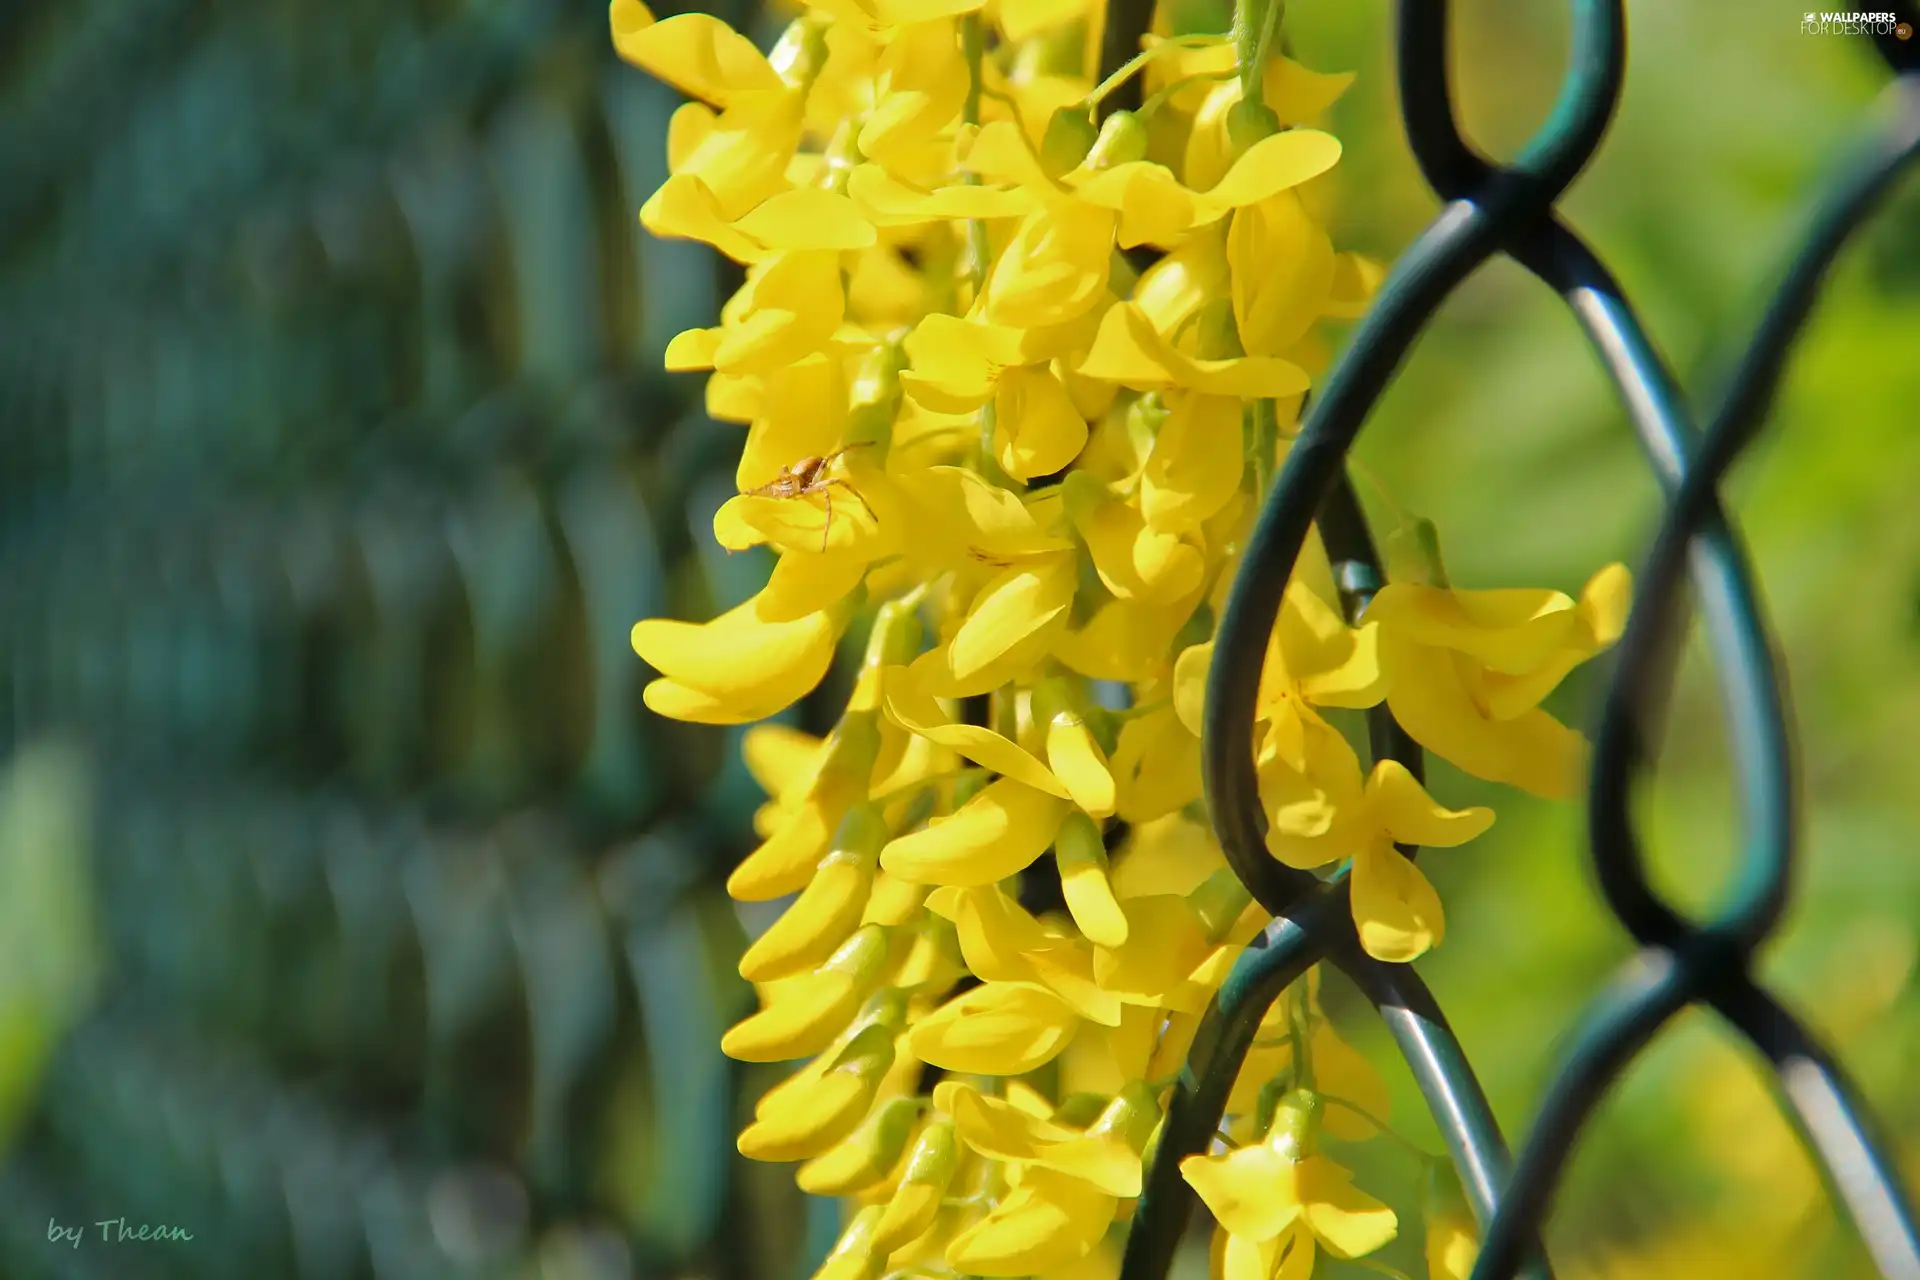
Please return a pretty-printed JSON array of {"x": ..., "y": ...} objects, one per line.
[
  {"x": 995, "y": 834},
  {"x": 802, "y": 1014},
  {"x": 1039, "y": 491},
  {"x": 811, "y": 1111},
  {"x": 1069, "y": 1181},
  {"x": 998, "y": 1029},
  {"x": 1325, "y": 812},
  {"x": 1279, "y": 1202},
  {"x": 1467, "y": 671},
  {"x": 738, "y": 668}
]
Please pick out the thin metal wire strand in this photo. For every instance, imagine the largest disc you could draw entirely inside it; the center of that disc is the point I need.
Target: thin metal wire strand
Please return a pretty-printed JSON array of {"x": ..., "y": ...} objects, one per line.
[{"x": 1826, "y": 1106}]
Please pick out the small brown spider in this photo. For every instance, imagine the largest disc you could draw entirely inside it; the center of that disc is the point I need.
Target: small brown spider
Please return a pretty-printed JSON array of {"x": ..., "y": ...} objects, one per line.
[{"x": 809, "y": 476}]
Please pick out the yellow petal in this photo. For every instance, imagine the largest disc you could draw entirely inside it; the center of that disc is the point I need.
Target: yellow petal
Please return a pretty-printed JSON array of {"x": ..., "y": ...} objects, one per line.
[
  {"x": 1157, "y": 765},
  {"x": 823, "y": 1107},
  {"x": 1196, "y": 464},
  {"x": 1170, "y": 855},
  {"x": 1287, "y": 1256},
  {"x": 1011, "y": 621},
  {"x": 996, "y": 933},
  {"x": 1080, "y": 764},
  {"x": 806, "y": 218},
  {"x": 1355, "y": 280},
  {"x": 805, "y": 582},
  {"x": 993, "y": 835},
  {"x": 995, "y": 1128},
  {"x": 1049, "y": 1221},
  {"x": 1154, "y": 208},
  {"x": 1165, "y": 942},
  {"x": 1137, "y": 562},
  {"x": 1512, "y": 631},
  {"x": 1395, "y": 907},
  {"x": 917, "y": 1201},
  {"x": 803, "y": 1015},
  {"x": 1282, "y": 264},
  {"x": 885, "y": 201},
  {"x": 1402, "y": 807},
  {"x": 695, "y": 53},
  {"x": 854, "y": 1256},
  {"x": 1429, "y": 697},
  {"x": 912, "y": 707},
  {"x": 827, "y": 911},
  {"x": 1298, "y": 94},
  {"x": 684, "y": 207},
  {"x": 999, "y": 1029},
  {"x": 865, "y": 1157},
  {"x": 1190, "y": 686},
  {"x": 1082, "y": 857},
  {"x": 1348, "y": 1221},
  {"x": 749, "y": 667},
  {"x": 1253, "y": 1192},
  {"x": 1253, "y": 377},
  {"x": 1269, "y": 167},
  {"x": 1037, "y": 429},
  {"x": 956, "y": 363}
]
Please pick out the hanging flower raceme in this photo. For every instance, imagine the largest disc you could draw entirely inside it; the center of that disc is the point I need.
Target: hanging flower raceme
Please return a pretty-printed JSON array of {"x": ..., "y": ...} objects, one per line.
[{"x": 1013, "y": 370}]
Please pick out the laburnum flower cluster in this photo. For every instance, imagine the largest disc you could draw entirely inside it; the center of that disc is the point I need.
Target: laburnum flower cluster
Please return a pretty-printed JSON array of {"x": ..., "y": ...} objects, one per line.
[{"x": 1014, "y": 372}]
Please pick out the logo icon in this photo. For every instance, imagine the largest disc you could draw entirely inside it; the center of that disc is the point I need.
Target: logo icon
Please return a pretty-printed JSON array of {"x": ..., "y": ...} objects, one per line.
[{"x": 1904, "y": 31}]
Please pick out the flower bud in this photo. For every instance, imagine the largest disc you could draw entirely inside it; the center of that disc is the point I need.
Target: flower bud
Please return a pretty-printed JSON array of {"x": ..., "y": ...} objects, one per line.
[
  {"x": 1082, "y": 857},
  {"x": 865, "y": 1158},
  {"x": 826, "y": 1106},
  {"x": 1295, "y": 1129},
  {"x": 829, "y": 909},
  {"x": 854, "y": 1256},
  {"x": 1129, "y": 1118},
  {"x": 1070, "y": 135},
  {"x": 1123, "y": 138},
  {"x": 1248, "y": 121},
  {"x": 1218, "y": 901},
  {"x": 917, "y": 1200}
]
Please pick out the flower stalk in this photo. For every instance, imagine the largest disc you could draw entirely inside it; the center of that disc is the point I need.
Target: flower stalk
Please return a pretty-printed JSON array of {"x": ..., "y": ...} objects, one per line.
[{"x": 1033, "y": 466}]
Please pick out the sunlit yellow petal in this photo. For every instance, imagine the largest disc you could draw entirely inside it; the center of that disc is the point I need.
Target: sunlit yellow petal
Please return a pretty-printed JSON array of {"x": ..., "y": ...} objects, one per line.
[
  {"x": 999, "y": 1029},
  {"x": 1395, "y": 907},
  {"x": 1253, "y": 1192},
  {"x": 1348, "y": 1221},
  {"x": 993, "y": 835}
]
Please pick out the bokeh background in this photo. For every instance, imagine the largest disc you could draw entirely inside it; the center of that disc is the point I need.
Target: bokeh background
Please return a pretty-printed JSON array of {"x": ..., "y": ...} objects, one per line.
[{"x": 354, "y": 915}]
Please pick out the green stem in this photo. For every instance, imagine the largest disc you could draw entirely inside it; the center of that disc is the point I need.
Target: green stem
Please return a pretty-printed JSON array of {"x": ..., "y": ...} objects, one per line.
[
  {"x": 1172, "y": 87},
  {"x": 1386, "y": 1130},
  {"x": 1254, "y": 24},
  {"x": 1265, "y": 444},
  {"x": 1139, "y": 60},
  {"x": 1302, "y": 1040}
]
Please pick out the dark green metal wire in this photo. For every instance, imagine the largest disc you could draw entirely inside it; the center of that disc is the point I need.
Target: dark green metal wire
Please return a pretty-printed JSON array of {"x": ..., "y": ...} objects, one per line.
[{"x": 1510, "y": 209}]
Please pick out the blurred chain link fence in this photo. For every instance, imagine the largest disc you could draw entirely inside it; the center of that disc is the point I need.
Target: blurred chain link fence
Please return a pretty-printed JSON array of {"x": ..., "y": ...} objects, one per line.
[{"x": 333, "y": 474}]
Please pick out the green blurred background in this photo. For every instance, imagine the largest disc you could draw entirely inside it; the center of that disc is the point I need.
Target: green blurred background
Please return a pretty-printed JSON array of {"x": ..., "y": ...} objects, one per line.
[{"x": 356, "y": 918}]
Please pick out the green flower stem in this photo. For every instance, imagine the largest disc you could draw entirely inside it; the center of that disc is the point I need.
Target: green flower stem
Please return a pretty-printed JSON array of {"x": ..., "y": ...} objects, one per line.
[
  {"x": 1382, "y": 1127},
  {"x": 1139, "y": 61}
]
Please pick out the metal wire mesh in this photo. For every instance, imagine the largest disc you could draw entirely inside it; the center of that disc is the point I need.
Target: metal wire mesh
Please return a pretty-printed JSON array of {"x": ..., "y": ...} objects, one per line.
[{"x": 1510, "y": 209}]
